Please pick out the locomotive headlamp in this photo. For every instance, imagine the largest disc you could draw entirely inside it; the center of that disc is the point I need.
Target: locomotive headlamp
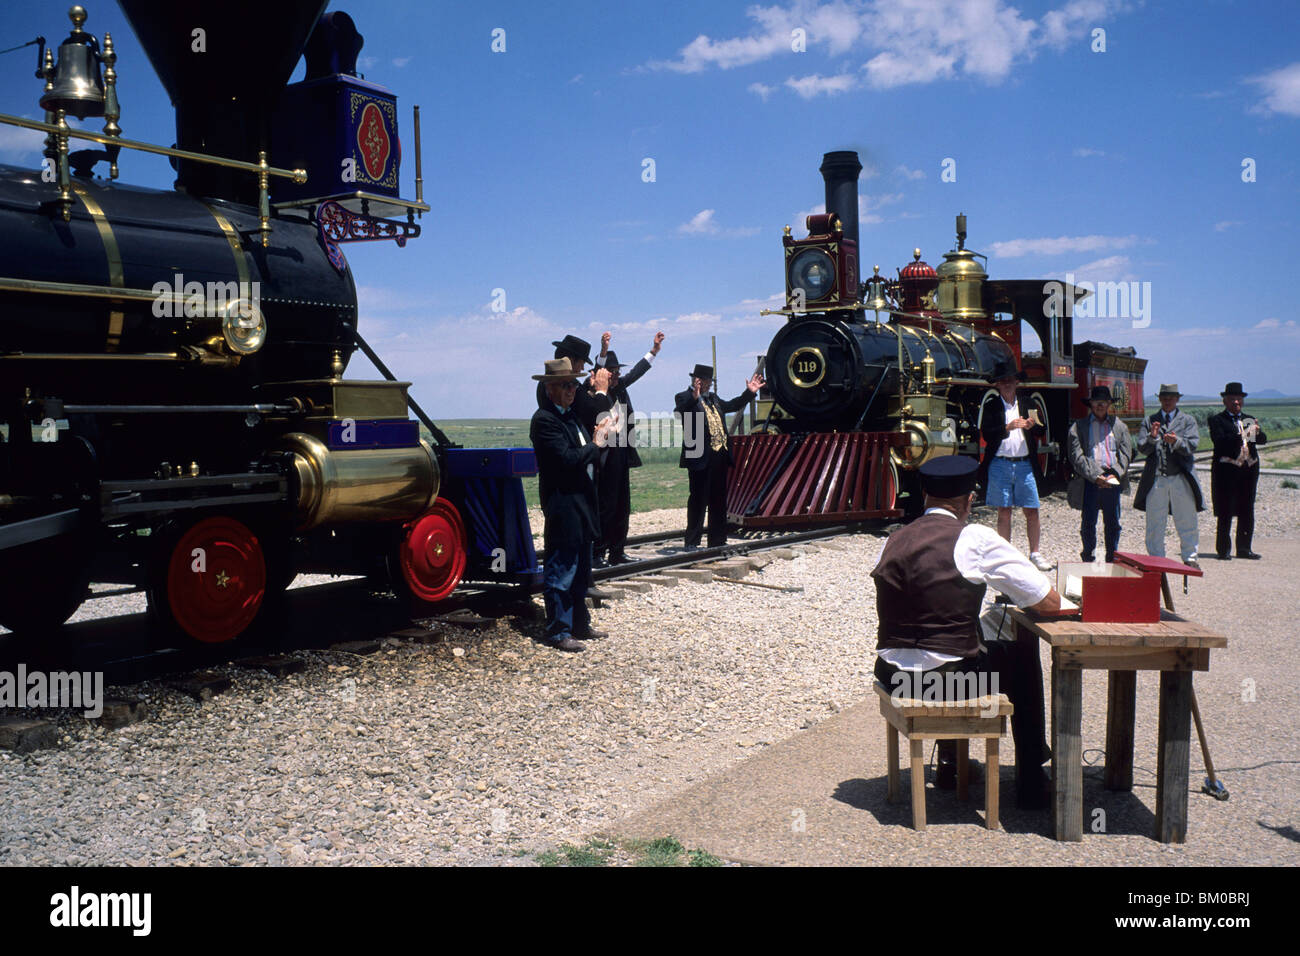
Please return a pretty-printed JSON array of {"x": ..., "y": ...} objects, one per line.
[
  {"x": 813, "y": 272},
  {"x": 243, "y": 327}
]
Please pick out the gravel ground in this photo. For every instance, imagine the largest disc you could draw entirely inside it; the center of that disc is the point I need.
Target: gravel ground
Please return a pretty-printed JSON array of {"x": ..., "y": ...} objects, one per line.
[{"x": 485, "y": 748}]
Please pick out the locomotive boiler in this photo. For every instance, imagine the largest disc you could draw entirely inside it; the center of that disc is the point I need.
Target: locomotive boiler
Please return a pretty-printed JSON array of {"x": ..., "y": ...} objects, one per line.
[
  {"x": 868, "y": 381},
  {"x": 173, "y": 407}
]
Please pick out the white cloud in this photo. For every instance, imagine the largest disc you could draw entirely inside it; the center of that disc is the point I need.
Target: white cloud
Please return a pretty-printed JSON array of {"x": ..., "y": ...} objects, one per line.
[
  {"x": 1013, "y": 248},
  {"x": 816, "y": 84},
  {"x": 576, "y": 79},
  {"x": 909, "y": 173},
  {"x": 1271, "y": 323},
  {"x": 761, "y": 90},
  {"x": 703, "y": 224},
  {"x": 1086, "y": 151},
  {"x": 1226, "y": 224},
  {"x": 904, "y": 41},
  {"x": 17, "y": 143},
  {"x": 1281, "y": 91},
  {"x": 401, "y": 61}
]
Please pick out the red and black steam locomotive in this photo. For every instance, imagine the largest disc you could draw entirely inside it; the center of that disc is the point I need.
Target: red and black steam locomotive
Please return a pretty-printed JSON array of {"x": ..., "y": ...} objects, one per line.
[
  {"x": 867, "y": 381},
  {"x": 174, "y": 410}
]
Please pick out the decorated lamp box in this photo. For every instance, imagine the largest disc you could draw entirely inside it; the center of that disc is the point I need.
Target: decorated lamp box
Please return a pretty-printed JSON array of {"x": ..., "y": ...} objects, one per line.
[{"x": 1125, "y": 591}]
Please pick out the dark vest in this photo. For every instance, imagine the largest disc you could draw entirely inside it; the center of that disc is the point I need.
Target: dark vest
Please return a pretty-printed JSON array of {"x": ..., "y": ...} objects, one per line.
[{"x": 922, "y": 600}]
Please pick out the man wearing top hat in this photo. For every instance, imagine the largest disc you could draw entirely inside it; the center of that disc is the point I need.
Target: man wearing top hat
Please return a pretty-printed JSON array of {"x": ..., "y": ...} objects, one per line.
[
  {"x": 1100, "y": 449},
  {"x": 1234, "y": 474},
  {"x": 1008, "y": 468},
  {"x": 930, "y": 586},
  {"x": 706, "y": 453},
  {"x": 566, "y": 457},
  {"x": 1168, "y": 483},
  {"x": 614, "y": 483},
  {"x": 578, "y": 352}
]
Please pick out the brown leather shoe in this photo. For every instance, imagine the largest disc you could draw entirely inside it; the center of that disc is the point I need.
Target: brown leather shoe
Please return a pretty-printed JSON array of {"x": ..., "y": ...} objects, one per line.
[
  {"x": 591, "y": 635},
  {"x": 569, "y": 644}
]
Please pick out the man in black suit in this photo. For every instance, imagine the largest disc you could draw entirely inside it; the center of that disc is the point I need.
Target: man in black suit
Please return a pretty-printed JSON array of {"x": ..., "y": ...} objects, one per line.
[
  {"x": 1234, "y": 473},
  {"x": 566, "y": 459},
  {"x": 706, "y": 452},
  {"x": 578, "y": 352},
  {"x": 614, "y": 482}
]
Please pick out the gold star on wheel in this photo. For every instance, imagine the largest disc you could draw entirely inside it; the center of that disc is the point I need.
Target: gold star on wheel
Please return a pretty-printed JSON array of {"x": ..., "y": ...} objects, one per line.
[{"x": 222, "y": 579}]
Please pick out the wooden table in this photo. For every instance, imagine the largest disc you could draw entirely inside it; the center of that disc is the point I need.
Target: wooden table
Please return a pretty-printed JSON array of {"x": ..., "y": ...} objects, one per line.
[{"x": 1175, "y": 647}]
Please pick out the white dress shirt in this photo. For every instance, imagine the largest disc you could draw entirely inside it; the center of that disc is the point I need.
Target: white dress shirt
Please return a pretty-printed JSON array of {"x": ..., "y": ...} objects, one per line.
[
  {"x": 1014, "y": 445},
  {"x": 983, "y": 557}
]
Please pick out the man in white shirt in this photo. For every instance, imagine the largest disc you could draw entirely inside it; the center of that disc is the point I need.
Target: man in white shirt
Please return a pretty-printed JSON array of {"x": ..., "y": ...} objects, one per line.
[
  {"x": 1009, "y": 469},
  {"x": 930, "y": 584}
]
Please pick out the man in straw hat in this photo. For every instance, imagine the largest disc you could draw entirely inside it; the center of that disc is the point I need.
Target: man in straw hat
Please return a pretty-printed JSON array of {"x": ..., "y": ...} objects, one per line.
[
  {"x": 1234, "y": 473},
  {"x": 1168, "y": 483},
  {"x": 566, "y": 458},
  {"x": 1100, "y": 449},
  {"x": 706, "y": 453},
  {"x": 930, "y": 585}
]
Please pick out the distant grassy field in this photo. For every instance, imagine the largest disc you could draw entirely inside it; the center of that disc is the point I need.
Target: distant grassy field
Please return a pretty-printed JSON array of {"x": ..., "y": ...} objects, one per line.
[
  {"x": 1279, "y": 419},
  {"x": 659, "y": 483}
]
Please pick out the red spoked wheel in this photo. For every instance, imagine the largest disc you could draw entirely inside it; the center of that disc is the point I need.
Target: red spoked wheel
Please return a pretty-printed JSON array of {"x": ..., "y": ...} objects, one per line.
[
  {"x": 1045, "y": 458},
  {"x": 888, "y": 484},
  {"x": 215, "y": 579},
  {"x": 432, "y": 556}
]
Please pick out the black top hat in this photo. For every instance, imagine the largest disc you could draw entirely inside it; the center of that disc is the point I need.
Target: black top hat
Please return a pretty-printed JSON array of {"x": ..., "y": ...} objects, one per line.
[
  {"x": 573, "y": 347},
  {"x": 949, "y": 476},
  {"x": 1100, "y": 393},
  {"x": 611, "y": 361},
  {"x": 1232, "y": 388},
  {"x": 703, "y": 371},
  {"x": 1005, "y": 370}
]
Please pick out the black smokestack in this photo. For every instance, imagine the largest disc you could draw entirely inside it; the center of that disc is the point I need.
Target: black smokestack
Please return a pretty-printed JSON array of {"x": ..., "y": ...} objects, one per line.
[
  {"x": 840, "y": 169},
  {"x": 224, "y": 64}
]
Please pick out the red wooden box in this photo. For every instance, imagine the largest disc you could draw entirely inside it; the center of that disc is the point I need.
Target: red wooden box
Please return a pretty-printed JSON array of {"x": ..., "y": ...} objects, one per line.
[{"x": 1127, "y": 591}]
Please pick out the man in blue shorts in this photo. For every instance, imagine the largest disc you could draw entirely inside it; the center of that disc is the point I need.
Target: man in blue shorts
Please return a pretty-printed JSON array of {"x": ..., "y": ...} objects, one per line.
[{"x": 1009, "y": 465}]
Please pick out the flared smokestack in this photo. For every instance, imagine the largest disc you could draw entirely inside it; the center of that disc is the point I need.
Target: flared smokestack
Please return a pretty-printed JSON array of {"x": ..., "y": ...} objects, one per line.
[
  {"x": 840, "y": 169},
  {"x": 224, "y": 64}
]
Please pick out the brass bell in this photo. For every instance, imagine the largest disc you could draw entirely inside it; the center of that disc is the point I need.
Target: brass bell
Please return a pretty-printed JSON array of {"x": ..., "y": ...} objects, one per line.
[
  {"x": 876, "y": 293},
  {"x": 76, "y": 85}
]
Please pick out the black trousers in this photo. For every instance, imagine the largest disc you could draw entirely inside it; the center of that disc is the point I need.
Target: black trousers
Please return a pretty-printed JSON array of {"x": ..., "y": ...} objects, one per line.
[
  {"x": 1234, "y": 496},
  {"x": 708, "y": 490},
  {"x": 1019, "y": 673},
  {"x": 615, "y": 490}
]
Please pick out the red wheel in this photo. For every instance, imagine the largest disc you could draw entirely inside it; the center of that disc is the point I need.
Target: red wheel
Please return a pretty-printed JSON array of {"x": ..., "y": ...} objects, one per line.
[
  {"x": 432, "y": 556},
  {"x": 1045, "y": 458},
  {"x": 888, "y": 484},
  {"x": 216, "y": 579}
]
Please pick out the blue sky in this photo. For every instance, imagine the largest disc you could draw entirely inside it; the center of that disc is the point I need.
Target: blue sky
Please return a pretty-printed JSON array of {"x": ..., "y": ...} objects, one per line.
[{"x": 1117, "y": 165}]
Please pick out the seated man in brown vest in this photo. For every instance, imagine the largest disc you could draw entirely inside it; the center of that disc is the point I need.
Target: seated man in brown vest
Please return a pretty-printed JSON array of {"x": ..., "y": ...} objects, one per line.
[{"x": 930, "y": 584}]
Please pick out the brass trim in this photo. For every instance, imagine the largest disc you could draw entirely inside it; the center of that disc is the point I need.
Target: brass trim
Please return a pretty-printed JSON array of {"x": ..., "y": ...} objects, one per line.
[
  {"x": 236, "y": 246},
  {"x": 794, "y": 376},
  {"x": 116, "y": 279},
  {"x": 297, "y": 175}
]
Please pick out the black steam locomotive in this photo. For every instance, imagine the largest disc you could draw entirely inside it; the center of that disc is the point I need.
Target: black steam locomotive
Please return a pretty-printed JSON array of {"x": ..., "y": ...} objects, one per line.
[
  {"x": 867, "y": 381},
  {"x": 171, "y": 362}
]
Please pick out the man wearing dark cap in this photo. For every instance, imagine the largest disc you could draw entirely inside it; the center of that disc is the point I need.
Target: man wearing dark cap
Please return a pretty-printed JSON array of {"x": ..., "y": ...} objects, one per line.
[
  {"x": 1168, "y": 483},
  {"x": 1009, "y": 466},
  {"x": 615, "y": 485},
  {"x": 706, "y": 453},
  {"x": 1234, "y": 474},
  {"x": 1100, "y": 449},
  {"x": 930, "y": 585},
  {"x": 566, "y": 458}
]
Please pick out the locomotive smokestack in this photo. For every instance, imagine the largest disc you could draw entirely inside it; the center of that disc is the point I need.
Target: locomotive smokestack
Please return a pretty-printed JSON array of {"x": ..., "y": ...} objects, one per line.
[
  {"x": 224, "y": 64},
  {"x": 840, "y": 169}
]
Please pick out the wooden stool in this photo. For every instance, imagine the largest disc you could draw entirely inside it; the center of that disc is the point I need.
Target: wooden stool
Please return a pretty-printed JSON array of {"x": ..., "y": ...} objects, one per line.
[{"x": 919, "y": 721}]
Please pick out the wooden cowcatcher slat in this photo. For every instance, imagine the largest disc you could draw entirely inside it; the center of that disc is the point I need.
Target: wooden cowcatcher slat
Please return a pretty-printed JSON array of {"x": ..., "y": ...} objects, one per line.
[{"x": 780, "y": 480}]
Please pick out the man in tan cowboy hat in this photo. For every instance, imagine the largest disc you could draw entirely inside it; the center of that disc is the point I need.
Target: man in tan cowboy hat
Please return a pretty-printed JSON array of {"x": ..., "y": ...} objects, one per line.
[
  {"x": 1234, "y": 473},
  {"x": 1168, "y": 482},
  {"x": 566, "y": 457}
]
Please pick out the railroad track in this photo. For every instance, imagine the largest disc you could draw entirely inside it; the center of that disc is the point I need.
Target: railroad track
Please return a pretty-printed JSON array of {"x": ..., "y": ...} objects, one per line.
[
  {"x": 345, "y": 615},
  {"x": 1203, "y": 456}
]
